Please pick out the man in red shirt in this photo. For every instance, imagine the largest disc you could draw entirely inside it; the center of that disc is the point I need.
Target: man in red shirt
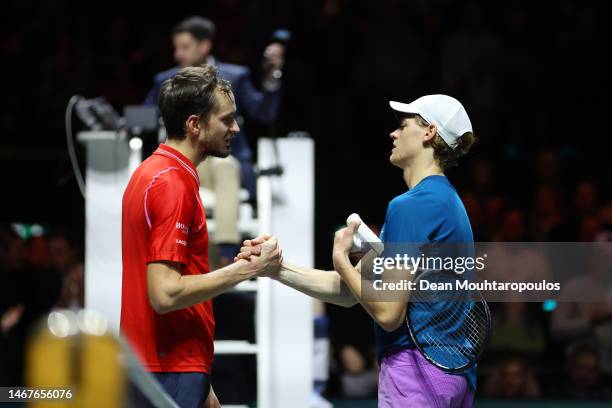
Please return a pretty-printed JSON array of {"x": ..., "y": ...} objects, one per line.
[{"x": 166, "y": 306}]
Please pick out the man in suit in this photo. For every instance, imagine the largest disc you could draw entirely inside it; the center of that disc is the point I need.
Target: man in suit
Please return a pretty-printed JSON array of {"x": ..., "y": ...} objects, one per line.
[{"x": 193, "y": 41}]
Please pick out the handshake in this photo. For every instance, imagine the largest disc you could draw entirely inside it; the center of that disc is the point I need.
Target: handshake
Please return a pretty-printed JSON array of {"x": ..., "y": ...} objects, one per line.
[
  {"x": 263, "y": 257},
  {"x": 262, "y": 254}
]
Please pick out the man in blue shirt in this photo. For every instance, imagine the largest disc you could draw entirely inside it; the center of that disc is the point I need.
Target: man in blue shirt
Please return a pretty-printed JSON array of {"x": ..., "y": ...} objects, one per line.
[
  {"x": 434, "y": 132},
  {"x": 429, "y": 212}
]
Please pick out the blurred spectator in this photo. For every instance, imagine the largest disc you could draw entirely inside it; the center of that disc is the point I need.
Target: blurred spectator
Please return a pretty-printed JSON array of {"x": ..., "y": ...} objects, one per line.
[
  {"x": 512, "y": 226},
  {"x": 585, "y": 198},
  {"x": 582, "y": 223},
  {"x": 547, "y": 212},
  {"x": 343, "y": 323},
  {"x": 12, "y": 259},
  {"x": 584, "y": 380},
  {"x": 512, "y": 378},
  {"x": 358, "y": 380},
  {"x": 12, "y": 262},
  {"x": 64, "y": 258},
  {"x": 37, "y": 251},
  {"x": 12, "y": 249},
  {"x": 29, "y": 289}
]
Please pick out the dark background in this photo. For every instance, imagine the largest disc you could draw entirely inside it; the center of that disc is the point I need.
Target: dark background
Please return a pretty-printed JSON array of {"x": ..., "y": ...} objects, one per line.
[{"x": 533, "y": 75}]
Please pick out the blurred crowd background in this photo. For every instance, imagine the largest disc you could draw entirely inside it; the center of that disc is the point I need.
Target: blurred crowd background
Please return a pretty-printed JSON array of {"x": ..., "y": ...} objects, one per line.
[{"x": 532, "y": 75}]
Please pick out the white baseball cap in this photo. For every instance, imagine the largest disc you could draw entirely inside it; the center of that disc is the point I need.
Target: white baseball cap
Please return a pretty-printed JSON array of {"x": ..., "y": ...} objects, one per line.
[{"x": 444, "y": 111}]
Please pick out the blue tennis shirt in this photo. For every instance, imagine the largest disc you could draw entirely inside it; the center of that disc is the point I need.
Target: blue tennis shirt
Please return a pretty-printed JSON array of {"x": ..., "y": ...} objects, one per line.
[{"x": 428, "y": 213}]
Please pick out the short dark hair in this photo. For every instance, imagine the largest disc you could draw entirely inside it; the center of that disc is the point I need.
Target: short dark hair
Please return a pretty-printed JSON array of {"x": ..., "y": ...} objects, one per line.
[
  {"x": 201, "y": 28},
  {"x": 190, "y": 92}
]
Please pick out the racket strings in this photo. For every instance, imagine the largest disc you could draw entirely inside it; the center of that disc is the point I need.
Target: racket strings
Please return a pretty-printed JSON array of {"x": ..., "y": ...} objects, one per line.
[{"x": 450, "y": 333}]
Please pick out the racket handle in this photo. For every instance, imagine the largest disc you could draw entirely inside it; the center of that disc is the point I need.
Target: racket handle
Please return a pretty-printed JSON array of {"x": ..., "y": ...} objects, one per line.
[{"x": 364, "y": 234}]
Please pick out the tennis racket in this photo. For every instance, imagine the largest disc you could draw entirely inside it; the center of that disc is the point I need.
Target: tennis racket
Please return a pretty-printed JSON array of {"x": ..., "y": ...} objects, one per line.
[{"x": 450, "y": 328}]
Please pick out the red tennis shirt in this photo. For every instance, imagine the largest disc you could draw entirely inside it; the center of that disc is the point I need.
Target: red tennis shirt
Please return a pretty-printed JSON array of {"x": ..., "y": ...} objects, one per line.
[{"x": 163, "y": 220}]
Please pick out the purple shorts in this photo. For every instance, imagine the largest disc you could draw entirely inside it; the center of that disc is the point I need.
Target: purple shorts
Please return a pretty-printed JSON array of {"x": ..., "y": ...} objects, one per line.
[{"x": 408, "y": 380}]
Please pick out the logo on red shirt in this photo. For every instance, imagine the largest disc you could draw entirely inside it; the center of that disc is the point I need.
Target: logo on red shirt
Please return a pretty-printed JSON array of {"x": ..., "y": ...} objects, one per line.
[{"x": 184, "y": 229}]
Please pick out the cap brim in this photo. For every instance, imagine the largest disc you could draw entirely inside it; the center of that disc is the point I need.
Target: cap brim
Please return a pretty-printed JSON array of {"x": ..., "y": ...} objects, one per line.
[{"x": 403, "y": 107}]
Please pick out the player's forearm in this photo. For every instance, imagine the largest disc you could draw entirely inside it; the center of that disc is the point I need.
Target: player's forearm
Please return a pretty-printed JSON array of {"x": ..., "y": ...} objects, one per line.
[
  {"x": 189, "y": 290},
  {"x": 323, "y": 285},
  {"x": 389, "y": 315}
]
